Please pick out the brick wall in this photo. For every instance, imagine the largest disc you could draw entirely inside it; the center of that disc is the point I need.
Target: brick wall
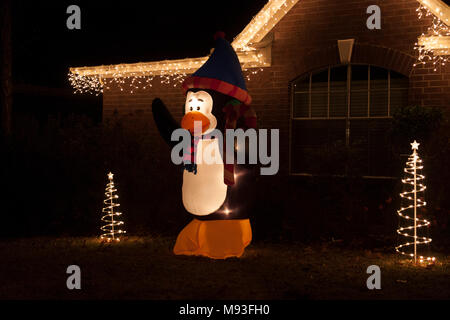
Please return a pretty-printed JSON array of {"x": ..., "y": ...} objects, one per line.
[{"x": 306, "y": 39}]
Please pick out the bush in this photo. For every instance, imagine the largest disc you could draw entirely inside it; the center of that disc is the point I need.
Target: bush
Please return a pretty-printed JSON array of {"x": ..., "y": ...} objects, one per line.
[{"x": 414, "y": 123}]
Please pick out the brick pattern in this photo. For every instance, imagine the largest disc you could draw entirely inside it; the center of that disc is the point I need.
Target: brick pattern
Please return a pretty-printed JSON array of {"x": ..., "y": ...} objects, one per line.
[{"x": 306, "y": 39}]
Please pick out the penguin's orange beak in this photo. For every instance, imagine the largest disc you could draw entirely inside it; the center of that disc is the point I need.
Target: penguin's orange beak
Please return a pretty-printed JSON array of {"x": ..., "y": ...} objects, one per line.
[{"x": 189, "y": 119}]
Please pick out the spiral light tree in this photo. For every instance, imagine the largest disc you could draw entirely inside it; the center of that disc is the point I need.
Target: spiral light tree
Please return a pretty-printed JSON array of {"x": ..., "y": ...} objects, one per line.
[
  {"x": 111, "y": 229},
  {"x": 410, "y": 223}
]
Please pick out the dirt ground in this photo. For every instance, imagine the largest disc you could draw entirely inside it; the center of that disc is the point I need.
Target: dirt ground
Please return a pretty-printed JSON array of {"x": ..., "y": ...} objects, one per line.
[{"x": 145, "y": 268}]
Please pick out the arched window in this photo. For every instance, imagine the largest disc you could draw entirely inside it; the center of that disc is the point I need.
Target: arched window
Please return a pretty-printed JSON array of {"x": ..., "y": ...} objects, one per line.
[{"x": 340, "y": 118}]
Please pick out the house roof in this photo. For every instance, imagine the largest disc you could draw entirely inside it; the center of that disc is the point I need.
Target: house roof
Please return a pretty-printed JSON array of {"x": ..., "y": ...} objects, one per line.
[
  {"x": 438, "y": 8},
  {"x": 252, "y": 46}
]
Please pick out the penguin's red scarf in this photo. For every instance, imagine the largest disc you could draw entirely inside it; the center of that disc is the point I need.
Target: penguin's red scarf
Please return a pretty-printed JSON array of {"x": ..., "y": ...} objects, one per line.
[{"x": 234, "y": 110}]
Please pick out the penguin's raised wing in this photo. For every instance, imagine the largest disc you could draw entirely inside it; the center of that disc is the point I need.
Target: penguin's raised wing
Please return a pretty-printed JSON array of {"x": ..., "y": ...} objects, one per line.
[{"x": 165, "y": 123}]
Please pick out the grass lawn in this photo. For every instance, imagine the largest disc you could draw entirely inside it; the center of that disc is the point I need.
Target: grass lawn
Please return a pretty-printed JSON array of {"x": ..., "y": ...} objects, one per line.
[{"x": 145, "y": 268}]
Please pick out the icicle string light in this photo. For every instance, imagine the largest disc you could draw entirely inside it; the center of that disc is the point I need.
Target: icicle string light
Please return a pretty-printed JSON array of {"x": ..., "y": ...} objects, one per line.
[
  {"x": 133, "y": 82},
  {"x": 133, "y": 77},
  {"x": 433, "y": 46},
  {"x": 112, "y": 229},
  {"x": 414, "y": 194}
]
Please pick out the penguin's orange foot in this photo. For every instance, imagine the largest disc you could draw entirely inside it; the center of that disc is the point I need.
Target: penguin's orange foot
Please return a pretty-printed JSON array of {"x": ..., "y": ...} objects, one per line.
[{"x": 217, "y": 239}]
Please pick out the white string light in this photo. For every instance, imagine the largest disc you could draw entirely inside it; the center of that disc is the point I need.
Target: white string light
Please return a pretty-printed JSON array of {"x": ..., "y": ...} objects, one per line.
[
  {"x": 133, "y": 82},
  {"x": 262, "y": 23},
  {"x": 416, "y": 189},
  {"x": 432, "y": 46},
  {"x": 112, "y": 230}
]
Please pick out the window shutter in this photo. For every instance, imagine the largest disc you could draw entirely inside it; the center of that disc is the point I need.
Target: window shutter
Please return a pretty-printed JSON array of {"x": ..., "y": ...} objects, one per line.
[
  {"x": 319, "y": 94},
  {"x": 338, "y": 91},
  {"x": 379, "y": 92},
  {"x": 301, "y": 105},
  {"x": 359, "y": 91}
]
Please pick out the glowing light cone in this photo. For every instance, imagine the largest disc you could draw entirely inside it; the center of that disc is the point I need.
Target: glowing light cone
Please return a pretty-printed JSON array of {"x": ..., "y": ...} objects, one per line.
[
  {"x": 410, "y": 224},
  {"x": 112, "y": 229}
]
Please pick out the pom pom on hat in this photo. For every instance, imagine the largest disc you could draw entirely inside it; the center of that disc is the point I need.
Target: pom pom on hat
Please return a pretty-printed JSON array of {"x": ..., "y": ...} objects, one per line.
[{"x": 219, "y": 34}]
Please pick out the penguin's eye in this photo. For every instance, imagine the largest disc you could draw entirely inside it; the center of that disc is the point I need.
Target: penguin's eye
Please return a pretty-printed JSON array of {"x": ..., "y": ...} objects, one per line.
[
  {"x": 198, "y": 108},
  {"x": 190, "y": 108}
]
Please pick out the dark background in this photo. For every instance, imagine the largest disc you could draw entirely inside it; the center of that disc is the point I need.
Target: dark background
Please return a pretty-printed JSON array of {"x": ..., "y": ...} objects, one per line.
[{"x": 115, "y": 32}]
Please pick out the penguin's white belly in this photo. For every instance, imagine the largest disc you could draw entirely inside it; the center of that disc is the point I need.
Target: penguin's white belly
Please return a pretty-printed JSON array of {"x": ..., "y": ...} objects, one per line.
[{"x": 205, "y": 192}]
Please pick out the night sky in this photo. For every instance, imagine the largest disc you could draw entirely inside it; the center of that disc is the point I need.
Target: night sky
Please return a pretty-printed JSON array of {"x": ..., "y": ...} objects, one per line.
[{"x": 111, "y": 33}]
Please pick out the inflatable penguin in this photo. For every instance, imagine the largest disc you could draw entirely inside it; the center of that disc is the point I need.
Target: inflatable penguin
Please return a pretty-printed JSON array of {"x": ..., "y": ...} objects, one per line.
[{"x": 216, "y": 98}]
